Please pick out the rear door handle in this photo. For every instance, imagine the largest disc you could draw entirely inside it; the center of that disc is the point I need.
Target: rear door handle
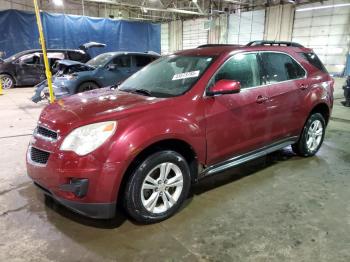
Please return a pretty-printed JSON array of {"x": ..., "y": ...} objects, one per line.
[
  {"x": 261, "y": 99},
  {"x": 303, "y": 87}
]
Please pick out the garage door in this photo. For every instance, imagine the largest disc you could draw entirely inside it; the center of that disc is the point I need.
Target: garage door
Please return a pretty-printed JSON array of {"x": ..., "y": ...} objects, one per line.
[
  {"x": 325, "y": 30},
  {"x": 164, "y": 38},
  {"x": 246, "y": 26},
  {"x": 194, "y": 34}
]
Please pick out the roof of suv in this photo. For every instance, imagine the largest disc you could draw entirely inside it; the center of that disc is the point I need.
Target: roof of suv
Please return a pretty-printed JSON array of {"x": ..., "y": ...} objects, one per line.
[{"x": 215, "y": 50}]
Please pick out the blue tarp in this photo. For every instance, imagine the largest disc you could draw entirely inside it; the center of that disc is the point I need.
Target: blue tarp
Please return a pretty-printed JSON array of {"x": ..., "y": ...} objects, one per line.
[{"x": 18, "y": 32}]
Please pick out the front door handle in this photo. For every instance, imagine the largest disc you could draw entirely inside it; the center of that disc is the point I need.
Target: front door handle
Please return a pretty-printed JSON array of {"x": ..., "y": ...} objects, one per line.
[{"x": 261, "y": 99}]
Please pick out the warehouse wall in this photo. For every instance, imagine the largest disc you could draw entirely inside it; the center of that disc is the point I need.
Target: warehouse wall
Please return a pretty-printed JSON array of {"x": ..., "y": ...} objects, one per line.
[
  {"x": 279, "y": 23},
  {"x": 327, "y": 31},
  {"x": 244, "y": 27}
]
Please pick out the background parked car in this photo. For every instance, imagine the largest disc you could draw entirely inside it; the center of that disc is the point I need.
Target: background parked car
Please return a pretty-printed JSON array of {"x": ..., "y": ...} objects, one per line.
[
  {"x": 104, "y": 70},
  {"x": 27, "y": 67}
]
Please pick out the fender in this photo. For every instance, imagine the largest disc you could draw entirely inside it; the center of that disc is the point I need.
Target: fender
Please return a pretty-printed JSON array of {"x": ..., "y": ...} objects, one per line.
[
  {"x": 319, "y": 94},
  {"x": 136, "y": 134}
]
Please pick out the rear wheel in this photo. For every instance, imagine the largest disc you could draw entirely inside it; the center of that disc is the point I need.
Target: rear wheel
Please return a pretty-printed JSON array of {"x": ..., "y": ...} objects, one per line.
[
  {"x": 87, "y": 86},
  {"x": 7, "y": 81},
  {"x": 312, "y": 137},
  {"x": 158, "y": 187}
]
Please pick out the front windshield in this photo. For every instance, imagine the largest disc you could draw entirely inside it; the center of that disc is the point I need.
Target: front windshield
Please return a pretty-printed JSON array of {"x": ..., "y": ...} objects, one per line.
[
  {"x": 169, "y": 76},
  {"x": 100, "y": 60}
]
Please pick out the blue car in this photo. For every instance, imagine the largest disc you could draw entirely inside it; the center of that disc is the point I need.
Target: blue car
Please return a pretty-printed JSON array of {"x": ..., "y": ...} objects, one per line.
[{"x": 104, "y": 70}]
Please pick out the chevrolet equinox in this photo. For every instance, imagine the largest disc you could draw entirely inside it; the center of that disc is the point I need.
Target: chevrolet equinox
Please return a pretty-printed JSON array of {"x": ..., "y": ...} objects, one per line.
[{"x": 183, "y": 117}]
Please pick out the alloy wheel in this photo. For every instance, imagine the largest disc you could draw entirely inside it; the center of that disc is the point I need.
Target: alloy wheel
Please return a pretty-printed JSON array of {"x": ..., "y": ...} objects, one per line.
[
  {"x": 7, "y": 82},
  {"x": 162, "y": 188},
  {"x": 314, "y": 135}
]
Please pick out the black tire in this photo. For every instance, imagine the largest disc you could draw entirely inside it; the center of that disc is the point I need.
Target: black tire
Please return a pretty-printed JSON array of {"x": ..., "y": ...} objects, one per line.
[
  {"x": 87, "y": 86},
  {"x": 302, "y": 148},
  {"x": 7, "y": 81},
  {"x": 134, "y": 192}
]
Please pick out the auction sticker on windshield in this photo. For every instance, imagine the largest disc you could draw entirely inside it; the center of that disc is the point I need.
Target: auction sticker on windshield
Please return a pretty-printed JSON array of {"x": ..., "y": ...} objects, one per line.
[{"x": 186, "y": 75}]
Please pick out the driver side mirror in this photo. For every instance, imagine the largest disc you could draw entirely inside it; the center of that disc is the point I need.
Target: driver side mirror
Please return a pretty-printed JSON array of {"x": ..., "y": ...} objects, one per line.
[
  {"x": 224, "y": 86},
  {"x": 111, "y": 67}
]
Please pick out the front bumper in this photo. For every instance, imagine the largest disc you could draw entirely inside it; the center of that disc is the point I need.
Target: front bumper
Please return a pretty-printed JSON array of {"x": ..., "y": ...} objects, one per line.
[
  {"x": 87, "y": 185},
  {"x": 93, "y": 210}
]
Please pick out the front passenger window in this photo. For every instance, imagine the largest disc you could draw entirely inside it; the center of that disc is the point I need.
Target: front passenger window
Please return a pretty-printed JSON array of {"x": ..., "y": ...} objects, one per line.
[
  {"x": 122, "y": 61},
  {"x": 30, "y": 59},
  {"x": 243, "y": 68}
]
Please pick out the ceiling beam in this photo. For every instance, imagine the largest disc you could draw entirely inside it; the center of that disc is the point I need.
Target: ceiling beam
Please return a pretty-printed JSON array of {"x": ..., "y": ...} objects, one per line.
[{"x": 168, "y": 10}]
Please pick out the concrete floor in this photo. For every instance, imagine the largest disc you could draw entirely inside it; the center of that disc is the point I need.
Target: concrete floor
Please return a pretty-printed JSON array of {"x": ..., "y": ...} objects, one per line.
[{"x": 277, "y": 208}]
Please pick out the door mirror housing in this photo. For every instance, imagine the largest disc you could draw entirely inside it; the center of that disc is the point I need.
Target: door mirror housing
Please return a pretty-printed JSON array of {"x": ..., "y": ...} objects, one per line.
[
  {"x": 111, "y": 67},
  {"x": 224, "y": 86}
]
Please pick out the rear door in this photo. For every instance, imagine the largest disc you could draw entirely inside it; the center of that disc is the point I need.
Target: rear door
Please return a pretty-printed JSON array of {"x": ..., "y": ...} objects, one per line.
[
  {"x": 237, "y": 123},
  {"x": 286, "y": 80}
]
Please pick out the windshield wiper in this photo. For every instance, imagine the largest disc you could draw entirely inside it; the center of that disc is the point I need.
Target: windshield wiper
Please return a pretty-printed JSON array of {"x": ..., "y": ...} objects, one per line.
[{"x": 138, "y": 91}]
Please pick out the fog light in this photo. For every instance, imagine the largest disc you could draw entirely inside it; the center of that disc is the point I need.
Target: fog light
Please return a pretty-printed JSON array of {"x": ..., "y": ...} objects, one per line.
[{"x": 78, "y": 186}]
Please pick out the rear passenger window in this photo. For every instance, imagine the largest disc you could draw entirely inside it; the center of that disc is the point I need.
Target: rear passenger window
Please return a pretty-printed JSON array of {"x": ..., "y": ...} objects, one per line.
[
  {"x": 281, "y": 67},
  {"x": 243, "y": 68},
  {"x": 313, "y": 59},
  {"x": 142, "y": 61},
  {"x": 122, "y": 61}
]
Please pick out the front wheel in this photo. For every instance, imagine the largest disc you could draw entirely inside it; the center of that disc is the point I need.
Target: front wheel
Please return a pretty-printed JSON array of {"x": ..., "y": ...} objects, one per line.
[
  {"x": 7, "y": 81},
  {"x": 87, "y": 86},
  {"x": 158, "y": 187},
  {"x": 312, "y": 136}
]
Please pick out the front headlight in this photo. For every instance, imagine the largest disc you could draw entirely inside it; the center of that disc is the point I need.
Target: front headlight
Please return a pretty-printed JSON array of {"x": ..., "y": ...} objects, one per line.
[{"x": 85, "y": 139}]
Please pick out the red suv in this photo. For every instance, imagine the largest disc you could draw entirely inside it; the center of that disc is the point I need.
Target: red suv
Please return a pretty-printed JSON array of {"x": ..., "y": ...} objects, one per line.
[{"x": 182, "y": 118}]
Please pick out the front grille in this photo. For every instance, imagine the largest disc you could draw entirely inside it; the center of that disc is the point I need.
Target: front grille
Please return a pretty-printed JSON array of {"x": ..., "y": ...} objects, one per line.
[
  {"x": 46, "y": 133},
  {"x": 39, "y": 156}
]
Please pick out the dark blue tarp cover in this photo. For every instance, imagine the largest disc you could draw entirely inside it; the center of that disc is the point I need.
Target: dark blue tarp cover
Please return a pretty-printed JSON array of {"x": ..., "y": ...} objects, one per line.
[{"x": 18, "y": 32}]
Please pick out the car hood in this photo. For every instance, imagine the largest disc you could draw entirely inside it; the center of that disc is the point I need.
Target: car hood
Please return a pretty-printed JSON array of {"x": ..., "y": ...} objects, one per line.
[
  {"x": 67, "y": 62},
  {"x": 96, "y": 105}
]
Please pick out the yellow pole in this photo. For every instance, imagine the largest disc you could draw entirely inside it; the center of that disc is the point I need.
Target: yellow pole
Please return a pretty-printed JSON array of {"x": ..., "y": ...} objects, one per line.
[
  {"x": 1, "y": 87},
  {"x": 43, "y": 47}
]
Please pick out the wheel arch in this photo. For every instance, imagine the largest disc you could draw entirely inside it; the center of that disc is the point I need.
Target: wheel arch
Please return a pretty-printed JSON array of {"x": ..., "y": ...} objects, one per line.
[
  {"x": 177, "y": 145},
  {"x": 86, "y": 81},
  {"x": 323, "y": 109},
  {"x": 11, "y": 75}
]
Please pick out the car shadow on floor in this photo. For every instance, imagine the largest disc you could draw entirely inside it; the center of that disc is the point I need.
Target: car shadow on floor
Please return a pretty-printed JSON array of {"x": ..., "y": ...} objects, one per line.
[
  {"x": 115, "y": 222},
  {"x": 244, "y": 170},
  {"x": 203, "y": 186}
]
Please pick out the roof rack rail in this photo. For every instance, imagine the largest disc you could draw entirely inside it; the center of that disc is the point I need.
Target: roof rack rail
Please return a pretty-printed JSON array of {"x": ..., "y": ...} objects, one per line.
[
  {"x": 213, "y": 45},
  {"x": 272, "y": 43}
]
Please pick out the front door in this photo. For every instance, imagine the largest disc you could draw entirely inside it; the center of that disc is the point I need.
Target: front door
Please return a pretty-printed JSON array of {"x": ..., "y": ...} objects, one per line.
[
  {"x": 237, "y": 123},
  {"x": 30, "y": 70},
  {"x": 117, "y": 70}
]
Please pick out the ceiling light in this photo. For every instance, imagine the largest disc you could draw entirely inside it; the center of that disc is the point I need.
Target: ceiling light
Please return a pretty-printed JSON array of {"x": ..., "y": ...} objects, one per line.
[
  {"x": 58, "y": 2},
  {"x": 321, "y": 7}
]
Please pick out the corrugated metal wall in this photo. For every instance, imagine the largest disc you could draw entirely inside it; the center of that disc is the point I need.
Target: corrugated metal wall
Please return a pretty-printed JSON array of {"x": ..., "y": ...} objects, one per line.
[
  {"x": 327, "y": 31},
  {"x": 194, "y": 34},
  {"x": 246, "y": 26},
  {"x": 164, "y": 38}
]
